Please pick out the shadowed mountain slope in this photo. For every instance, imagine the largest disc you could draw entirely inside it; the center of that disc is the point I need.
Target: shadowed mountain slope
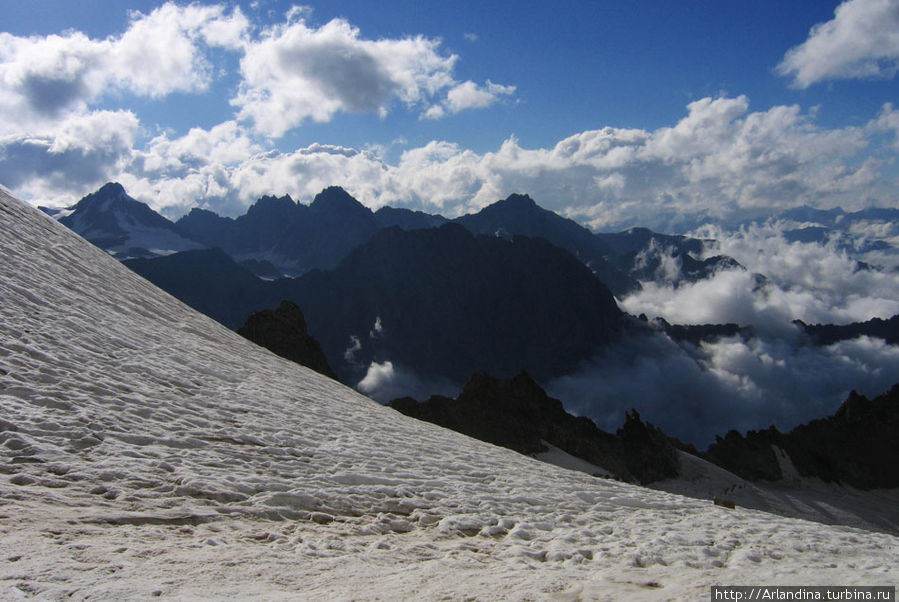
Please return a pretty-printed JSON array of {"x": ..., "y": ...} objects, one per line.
[
  {"x": 440, "y": 302},
  {"x": 447, "y": 303},
  {"x": 520, "y": 215},
  {"x": 292, "y": 236}
]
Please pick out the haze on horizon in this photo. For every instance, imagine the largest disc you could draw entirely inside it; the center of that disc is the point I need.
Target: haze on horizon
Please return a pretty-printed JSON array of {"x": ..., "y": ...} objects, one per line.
[{"x": 608, "y": 113}]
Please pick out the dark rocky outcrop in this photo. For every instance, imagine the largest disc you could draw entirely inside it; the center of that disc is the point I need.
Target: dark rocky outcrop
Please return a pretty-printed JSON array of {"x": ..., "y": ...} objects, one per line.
[
  {"x": 648, "y": 453},
  {"x": 283, "y": 332},
  {"x": 751, "y": 457},
  {"x": 516, "y": 413},
  {"x": 857, "y": 445}
]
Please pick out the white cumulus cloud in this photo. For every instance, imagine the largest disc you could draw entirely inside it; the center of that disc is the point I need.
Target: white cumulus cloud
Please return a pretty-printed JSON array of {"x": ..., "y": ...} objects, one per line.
[
  {"x": 47, "y": 77},
  {"x": 297, "y": 72},
  {"x": 861, "y": 41},
  {"x": 469, "y": 95}
]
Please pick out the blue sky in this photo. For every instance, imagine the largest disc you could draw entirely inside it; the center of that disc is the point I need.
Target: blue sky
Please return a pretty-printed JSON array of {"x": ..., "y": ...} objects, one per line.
[{"x": 614, "y": 113}]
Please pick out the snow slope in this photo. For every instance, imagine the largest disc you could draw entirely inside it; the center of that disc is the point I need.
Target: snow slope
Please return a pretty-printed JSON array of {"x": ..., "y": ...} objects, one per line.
[
  {"x": 146, "y": 451},
  {"x": 795, "y": 496}
]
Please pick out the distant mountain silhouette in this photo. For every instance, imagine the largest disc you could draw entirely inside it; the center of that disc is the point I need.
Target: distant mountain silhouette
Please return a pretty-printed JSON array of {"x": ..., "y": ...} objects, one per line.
[
  {"x": 283, "y": 332},
  {"x": 407, "y": 219},
  {"x": 516, "y": 413},
  {"x": 293, "y": 237},
  {"x": 698, "y": 333},
  {"x": 634, "y": 240},
  {"x": 840, "y": 228},
  {"x": 208, "y": 227},
  {"x": 278, "y": 236},
  {"x": 114, "y": 221},
  {"x": 645, "y": 256},
  {"x": 262, "y": 268},
  {"x": 620, "y": 259},
  {"x": 837, "y": 217},
  {"x": 650, "y": 265},
  {"x": 827, "y": 334},
  {"x": 209, "y": 281}
]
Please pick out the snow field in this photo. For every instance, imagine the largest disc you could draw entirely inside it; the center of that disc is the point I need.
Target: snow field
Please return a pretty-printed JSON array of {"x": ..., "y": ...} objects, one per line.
[{"x": 146, "y": 451}]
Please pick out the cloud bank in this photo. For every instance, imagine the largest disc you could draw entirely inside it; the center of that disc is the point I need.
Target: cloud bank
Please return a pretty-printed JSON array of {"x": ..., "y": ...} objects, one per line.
[
  {"x": 812, "y": 282},
  {"x": 776, "y": 377},
  {"x": 720, "y": 162},
  {"x": 729, "y": 384}
]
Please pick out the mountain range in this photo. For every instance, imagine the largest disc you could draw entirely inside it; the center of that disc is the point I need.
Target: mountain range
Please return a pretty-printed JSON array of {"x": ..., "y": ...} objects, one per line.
[
  {"x": 511, "y": 288},
  {"x": 440, "y": 302},
  {"x": 408, "y": 302},
  {"x": 820, "y": 225},
  {"x": 278, "y": 236}
]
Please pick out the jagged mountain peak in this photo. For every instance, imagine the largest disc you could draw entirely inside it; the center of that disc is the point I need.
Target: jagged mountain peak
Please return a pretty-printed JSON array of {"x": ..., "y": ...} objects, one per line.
[
  {"x": 124, "y": 226},
  {"x": 519, "y": 214},
  {"x": 270, "y": 203},
  {"x": 336, "y": 199},
  {"x": 112, "y": 189},
  {"x": 111, "y": 193},
  {"x": 518, "y": 201}
]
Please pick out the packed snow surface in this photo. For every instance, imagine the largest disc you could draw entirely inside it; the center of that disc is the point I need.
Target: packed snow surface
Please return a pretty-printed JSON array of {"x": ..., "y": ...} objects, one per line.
[{"x": 149, "y": 452}]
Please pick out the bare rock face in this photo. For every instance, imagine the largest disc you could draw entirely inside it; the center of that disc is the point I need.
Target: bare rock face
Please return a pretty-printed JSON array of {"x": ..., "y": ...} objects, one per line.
[
  {"x": 283, "y": 332},
  {"x": 516, "y": 413},
  {"x": 856, "y": 445}
]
